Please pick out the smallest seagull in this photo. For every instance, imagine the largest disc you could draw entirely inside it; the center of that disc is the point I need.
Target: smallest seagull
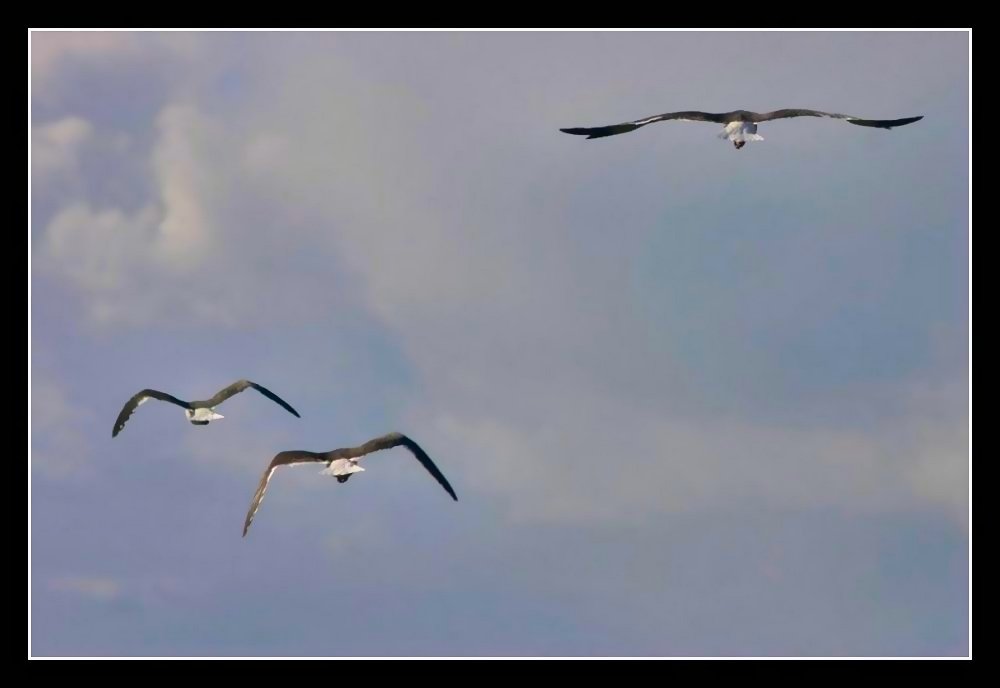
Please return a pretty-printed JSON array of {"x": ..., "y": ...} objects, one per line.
[
  {"x": 740, "y": 126},
  {"x": 342, "y": 464},
  {"x": 197, "y": 412}
]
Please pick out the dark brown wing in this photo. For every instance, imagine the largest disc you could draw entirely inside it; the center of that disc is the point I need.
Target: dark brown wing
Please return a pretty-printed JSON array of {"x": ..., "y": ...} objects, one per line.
[
  {"x": 394, "y": 439},
  {"x": 611, "y": 130},
  {"x": 285, "y": 458},
  {"x": 132, "y": 404},
  {"x": 879, "y": 123},
  {"x": 241, "y": 385}
]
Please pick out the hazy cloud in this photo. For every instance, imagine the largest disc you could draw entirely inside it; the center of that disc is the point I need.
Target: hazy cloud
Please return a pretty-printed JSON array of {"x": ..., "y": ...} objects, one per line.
[
  {"x": 60, "y": 447},
  {"x": 92, "y": 588},
  {"x": 55, "y": 147},
  {"x": 51, "y": 48}
]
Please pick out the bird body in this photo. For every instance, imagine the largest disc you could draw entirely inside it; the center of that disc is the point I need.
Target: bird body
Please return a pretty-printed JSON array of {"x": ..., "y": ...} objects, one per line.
[
  {"x": 202, "y": 414},
  {"x": 342, "y": 469},
  {"x": 740, "y": 133}
]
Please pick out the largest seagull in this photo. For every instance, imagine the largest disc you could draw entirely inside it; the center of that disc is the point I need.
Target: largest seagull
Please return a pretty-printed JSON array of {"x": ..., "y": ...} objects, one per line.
[
  {"x": 740, "y": 125},
  {"x": 198, "y": 412},
  {"x": 342, "y": 464}
]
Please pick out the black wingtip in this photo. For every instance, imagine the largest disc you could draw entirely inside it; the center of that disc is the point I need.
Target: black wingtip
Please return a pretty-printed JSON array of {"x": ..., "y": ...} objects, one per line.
[
  {"x": 887, "y": 124},
  {"x": 601, "y": 132},
  {"x": 589, "y": 133},
  {"x": 905, "y": 121}
]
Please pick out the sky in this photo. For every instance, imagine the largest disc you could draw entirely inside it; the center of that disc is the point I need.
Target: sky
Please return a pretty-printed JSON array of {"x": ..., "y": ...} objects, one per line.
[{"x": 694, "y": 401}]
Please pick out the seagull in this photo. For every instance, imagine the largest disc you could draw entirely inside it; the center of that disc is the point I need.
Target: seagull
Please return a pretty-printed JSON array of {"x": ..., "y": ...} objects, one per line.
[
  {"x": 342, "y": 464},
  {"x": 198, "y": 412},
  {"x": 740, "y": 125}
]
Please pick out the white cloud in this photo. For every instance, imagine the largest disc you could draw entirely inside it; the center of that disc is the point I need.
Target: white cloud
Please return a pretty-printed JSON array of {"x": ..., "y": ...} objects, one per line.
[
  {"x": 95, "y": 248},
  {"x": 190, "y": 252},
  {"x": 100, "y": 589},
  {"x": 55, "y": 147},
  {"x": 133, "y": 265},
  {"x": 143, "y": 590},
  {"x": 937, "y": 448},
  {"x": 49, "y": 49},
  {"x": 185, "y": 230},
  {"x": 608, "y": 460},
  {"x": 264, "y": 151}
]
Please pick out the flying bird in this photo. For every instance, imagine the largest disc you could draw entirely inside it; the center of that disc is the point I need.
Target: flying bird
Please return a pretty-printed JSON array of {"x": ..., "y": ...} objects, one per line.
[
  {"x": 740, "y": 125},
  {"x": 342, "y": 464},
  {"x": 198, "y": 412}
]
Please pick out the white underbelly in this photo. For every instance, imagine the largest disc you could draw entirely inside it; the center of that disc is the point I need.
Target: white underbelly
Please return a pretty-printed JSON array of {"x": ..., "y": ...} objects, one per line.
[
  {"x": 342, "y": 467},
  {"x": 202, "y": 414},
  {"x": 741, "y": 131}
]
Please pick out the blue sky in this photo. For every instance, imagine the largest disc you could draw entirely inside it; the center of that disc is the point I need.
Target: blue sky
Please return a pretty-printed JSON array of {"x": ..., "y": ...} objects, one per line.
[{"x": 694, "y": 401}]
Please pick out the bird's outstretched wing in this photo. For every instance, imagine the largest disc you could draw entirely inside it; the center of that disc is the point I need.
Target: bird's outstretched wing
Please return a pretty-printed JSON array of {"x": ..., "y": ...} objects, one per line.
[
  {"x": 395, "y": 439},
  {"x": 879, "y": 123},
  {"x": 241, "y": 385},
  {"x": 289, "y": 458},
  {"x": 611, "y": 130},
  {"x": 132, "y": 404},
  {"x": 285, "y": 458}
]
